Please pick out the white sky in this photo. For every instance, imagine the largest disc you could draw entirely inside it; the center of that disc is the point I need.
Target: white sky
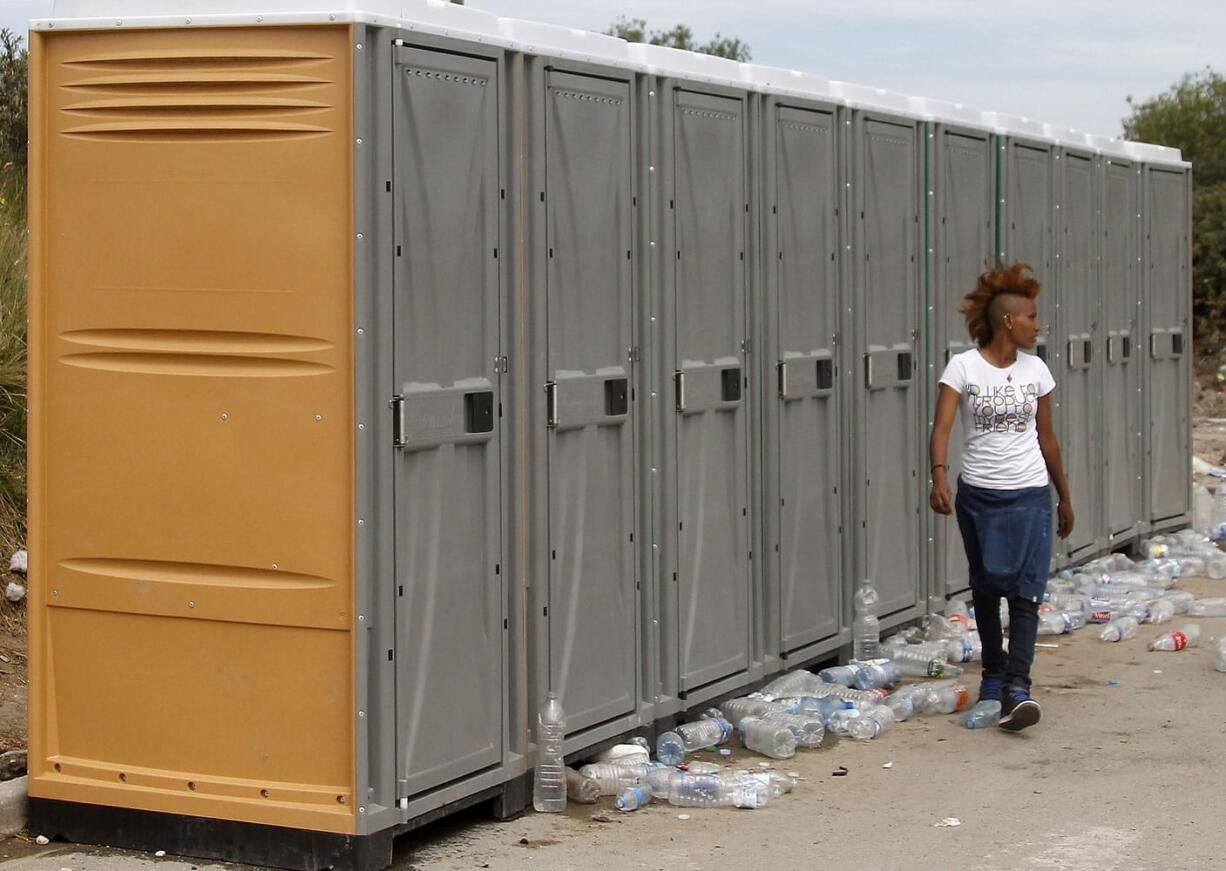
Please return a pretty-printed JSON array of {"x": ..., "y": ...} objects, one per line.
[{"x": 1068, "y": 62}]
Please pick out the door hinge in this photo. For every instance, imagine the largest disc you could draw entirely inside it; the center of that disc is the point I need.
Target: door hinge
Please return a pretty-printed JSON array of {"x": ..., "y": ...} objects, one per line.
[
  {"x": 551, "y": 404},
  {"x": 501, "y": 365},
  {"x": 746, "y": 346},
  {"x": 679, "y": 383},
  {"x": 783, "y": 379},
  {"x": 399, "y": 424}
]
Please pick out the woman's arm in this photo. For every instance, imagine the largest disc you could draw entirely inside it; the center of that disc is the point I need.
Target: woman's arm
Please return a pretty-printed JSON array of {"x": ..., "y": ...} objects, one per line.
[
  {"x": 942, "y": 498},
  {"x": 1055, "y": 468}
]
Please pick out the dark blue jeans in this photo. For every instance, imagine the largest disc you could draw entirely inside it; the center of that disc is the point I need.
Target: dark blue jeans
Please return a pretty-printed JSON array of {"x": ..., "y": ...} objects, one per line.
[{"x": 1012, "y": 669}]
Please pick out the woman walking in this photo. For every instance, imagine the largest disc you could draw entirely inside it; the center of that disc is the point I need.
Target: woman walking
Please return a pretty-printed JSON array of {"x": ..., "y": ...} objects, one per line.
[{"x": 1009, "y": 460}]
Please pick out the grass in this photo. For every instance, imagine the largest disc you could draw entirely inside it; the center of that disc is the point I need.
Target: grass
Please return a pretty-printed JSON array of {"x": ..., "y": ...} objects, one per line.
[{"x": 12, "y": 360}]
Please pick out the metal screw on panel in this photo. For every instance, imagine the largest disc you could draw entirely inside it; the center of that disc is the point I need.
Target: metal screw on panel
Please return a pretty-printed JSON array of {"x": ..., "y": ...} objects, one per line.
[
  {"x": 359, "y": 140},
  {"x": 191, "y": 604},
  {"x": 274, "y": 567},
  {"x": 361, "y": 618},
  {"x": 225, "y": 415},
  {"x": 359, "y": 46},
  {"x": 361, "y": 426},
  {"x": 361, "y": 715},
  {"x": 55, "y": 592},
  {"x": 360, "y": 235},
  {"x": 259, "y": 19},
  {"x": 187, "y": 21},
  {"x": 361, "y": 522},
  {"x": 361, "y": 331},
  {"x": 361, "y": 810},
  {"x": 318, "y": 418}
]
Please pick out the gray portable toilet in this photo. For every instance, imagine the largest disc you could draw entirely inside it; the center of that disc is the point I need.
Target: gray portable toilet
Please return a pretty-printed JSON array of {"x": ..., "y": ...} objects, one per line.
[
  {"x": 1166, "y": 207},
  {"x": 961, "y": 232},
  {"x": 699, "y": 226},
  {"x": 1120, "y": 353},
  {"x": 802, "y": 396},
  {"x": 1077, "y": 277},
  {"x": 883, "y": 294},
  {"x": 580, "y": 345}
]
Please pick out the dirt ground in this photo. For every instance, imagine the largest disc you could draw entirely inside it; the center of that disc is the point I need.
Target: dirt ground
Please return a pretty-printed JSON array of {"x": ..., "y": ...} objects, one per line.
[{"x": 12, "y": 671}]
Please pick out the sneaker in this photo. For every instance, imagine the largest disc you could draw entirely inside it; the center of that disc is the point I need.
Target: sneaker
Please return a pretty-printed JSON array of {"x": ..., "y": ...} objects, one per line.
[
  {"x": 1018, "y": 711},
  {"x": 990, "y": 689}
]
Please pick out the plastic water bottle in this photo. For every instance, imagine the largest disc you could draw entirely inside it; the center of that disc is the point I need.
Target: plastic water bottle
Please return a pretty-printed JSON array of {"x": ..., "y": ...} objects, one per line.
[
  {"x": 584, "y": 790},
  {"x": 872, "y": 723},
  {"x": 865, "y": 630},
  {"x": 1160, "y": 611},
  {"x": 876, "y": 675},
  {"x": 809, "y": 728},
  {"x": 1119, "y": 629},
  {"x": 613, "y": 777},
  {"x": 671, "y": 747},
  {"x": 824, "y": 707},
  {"x": 768, "y": 737},
  {"x": 792, "y": 684},
  {"x": 549, "y": 779},
  {"x": 1181, "y": 599},
  {"x": 735, "y": 710},
  {"x": 982, "y": 715},
  {"x": 625, "y": 754},
  {"x": 1214, "y": 607},
  {"x": 710, "y": 790},
  {"x": 840, "y": 720},
  {"x": 1220, "y": 663},
  {"x": 946, "y": 700},
  {"x": 658, "y": 777},
  {"x": 964, "y": 648},
  {"x": 1188, "y": 636},
  {"x": 843, "y": 675},
  {"x": 632, "y": 798},
  {"x": 697, "y": 766},
  {"x": 915, "y": 663},
  {"x": 1054, "y": 623}
]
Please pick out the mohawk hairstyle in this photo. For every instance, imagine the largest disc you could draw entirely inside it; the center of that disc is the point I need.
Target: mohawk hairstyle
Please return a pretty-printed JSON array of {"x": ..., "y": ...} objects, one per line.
[{"x": 1016, "y": 279}]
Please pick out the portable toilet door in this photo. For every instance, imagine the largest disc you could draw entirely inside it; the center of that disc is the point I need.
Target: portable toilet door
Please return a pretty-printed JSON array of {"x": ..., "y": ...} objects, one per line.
[
  {"x": 447, "y": 304},
  {"x": 962, "y": 233},
  {"x": 1077, "y": 278},
  {"x": 802, "y": 391},
  {"x": 1123, "y": 496},
  {"x": 886, "y": 268},
  {"x": 1168, "y": 295}
]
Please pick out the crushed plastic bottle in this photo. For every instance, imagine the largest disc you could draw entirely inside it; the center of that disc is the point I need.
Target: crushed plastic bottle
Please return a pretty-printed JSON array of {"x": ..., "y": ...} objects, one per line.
[
  {"x": 914, "y": 663},
  {"x": 697, "y": 766},
  {"x": 985, "y": 713},
  {"x": 769, "y": 737},
  {"x": 865, "y": 628},
  {"x": 1054, "y": 623},
  {"x": 1119, "y": 629},
  {"x": 809, "y": 728},
  {"x": 549, "y": 778},
  {"x": 964, "y": 648},
  {"x": 1188, "y": 636},
  {"x": 735, "y": 710},
  {"x": 710, "y": 790},
  {"x": 1213, "y": 607},
  {"x": 946, "y": 700},
  {"x": 1181, "y": 599},
  {"x": 843, "y": 675},
  {"x": 872, "y": 722},
  {"x": 792, "y": 684},
  {"x": 658, "y": 777},
  {"x": 1160, "y": 611},
  {"x": 585, "y": 790},
  {"x": 624, "y": 754},
  {"x": 613, "y": 777},
  {"x": 632, "y": 798},
  {"x": 840, "y": 720},
  {"x": 672, "y": 746},
  {"x": 876, "y": 675}
]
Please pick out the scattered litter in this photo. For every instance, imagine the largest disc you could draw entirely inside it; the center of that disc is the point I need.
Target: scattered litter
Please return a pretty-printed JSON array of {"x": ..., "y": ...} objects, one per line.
[
  {"x": 42, "y": 840},
  {"x": 725, "y": 752},
  {"x": 14, "y": 592},
  {"x": 948, "y": 823},
  {"x": 19, "y": 563},
  {"x": 601, "y": 818},
  {"x": 1045, "y": 644},
  {"x": 160, "y": 853},
  {"x": 1157, "y": 671},
  {"x": 888, "y": 765},
  {"x": 841, "y": 771},
  {"x": 683, "y": 816},
  {"x": 795, "y": 775},
  {"x": 524, "y": 841},
  {"x": 764, "y": 765},
  {"x": 1112, "y": 682}
]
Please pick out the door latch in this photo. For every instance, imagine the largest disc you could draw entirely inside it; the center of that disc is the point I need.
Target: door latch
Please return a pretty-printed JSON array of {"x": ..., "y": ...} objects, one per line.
[
  {"x": 551, "y": 404},
  {"x": 399, "y": 424}
]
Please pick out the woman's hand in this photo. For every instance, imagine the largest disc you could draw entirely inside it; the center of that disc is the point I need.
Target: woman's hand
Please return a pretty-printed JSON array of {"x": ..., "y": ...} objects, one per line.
[
  {"x": 941, "y": 498},
  {"x": 1064, "y": 515}
]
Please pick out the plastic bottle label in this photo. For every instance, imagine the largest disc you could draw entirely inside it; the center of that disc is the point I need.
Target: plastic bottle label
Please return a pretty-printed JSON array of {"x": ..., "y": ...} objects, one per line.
[
  {"x": 960, "y": 692},
  {"x": 1181, "y": 640},
  {"x": 936, "y": 668},
  {"x": 1103, "y": 616}
]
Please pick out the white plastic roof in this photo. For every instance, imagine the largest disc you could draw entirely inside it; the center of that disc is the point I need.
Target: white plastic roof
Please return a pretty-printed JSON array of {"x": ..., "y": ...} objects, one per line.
[{"x": 465, "y": 22}]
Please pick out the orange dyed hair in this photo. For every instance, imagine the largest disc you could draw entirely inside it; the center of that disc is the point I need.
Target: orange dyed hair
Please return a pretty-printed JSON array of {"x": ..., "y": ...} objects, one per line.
[{"x": 1016, "y": 279}]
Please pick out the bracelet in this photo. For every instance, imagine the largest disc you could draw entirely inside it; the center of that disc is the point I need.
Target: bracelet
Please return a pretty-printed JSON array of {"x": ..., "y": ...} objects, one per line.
[{"x": 944, "y": 466}]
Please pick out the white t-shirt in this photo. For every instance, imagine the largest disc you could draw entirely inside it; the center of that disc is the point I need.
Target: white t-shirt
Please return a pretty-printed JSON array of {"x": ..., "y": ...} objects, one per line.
[{"x": 998, "y": 409}]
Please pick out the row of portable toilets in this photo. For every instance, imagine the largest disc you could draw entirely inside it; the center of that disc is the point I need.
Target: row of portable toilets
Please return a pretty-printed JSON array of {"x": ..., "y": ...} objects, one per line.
[{"x": 638, "y": 359}]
